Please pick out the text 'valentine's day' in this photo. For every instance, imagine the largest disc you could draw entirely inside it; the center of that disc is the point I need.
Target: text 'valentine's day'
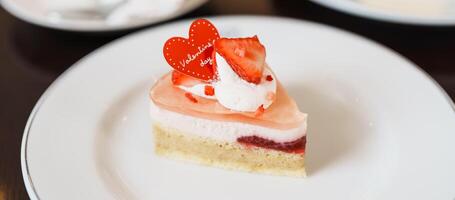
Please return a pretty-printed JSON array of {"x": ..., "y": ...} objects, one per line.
[{"x": 192, "y": 57}]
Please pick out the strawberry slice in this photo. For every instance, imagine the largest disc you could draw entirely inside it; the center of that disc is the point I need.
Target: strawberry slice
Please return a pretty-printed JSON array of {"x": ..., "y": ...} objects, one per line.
[
  {"x": 179, "y": 78},
  {"x": 246, "y": 56}
]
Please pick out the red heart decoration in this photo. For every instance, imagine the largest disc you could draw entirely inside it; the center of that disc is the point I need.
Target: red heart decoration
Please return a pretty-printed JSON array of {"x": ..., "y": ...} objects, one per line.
[{"x": 193, "y": 56}]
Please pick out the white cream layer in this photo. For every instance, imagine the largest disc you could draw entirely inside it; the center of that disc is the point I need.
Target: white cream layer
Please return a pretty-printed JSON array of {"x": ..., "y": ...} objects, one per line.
[{"x": 221, "y": 130}]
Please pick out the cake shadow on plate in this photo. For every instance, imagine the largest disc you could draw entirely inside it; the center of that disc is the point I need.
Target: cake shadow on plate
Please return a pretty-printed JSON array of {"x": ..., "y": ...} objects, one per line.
[{"x": 335, "y": 128}]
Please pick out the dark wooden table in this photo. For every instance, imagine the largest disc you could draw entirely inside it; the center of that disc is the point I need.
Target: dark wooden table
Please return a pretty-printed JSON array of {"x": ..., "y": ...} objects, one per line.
[{"x": 32, "y": 57}]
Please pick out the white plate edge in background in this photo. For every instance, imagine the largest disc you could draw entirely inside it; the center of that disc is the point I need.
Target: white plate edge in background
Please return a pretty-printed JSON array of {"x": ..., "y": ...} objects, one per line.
[
  {"x": 357, "y": 9},
  {"x": 23, "y": 14}
]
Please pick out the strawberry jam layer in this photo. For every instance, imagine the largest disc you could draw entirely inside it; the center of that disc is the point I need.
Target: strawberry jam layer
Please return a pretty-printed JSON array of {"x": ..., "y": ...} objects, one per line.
[{"x": 296, "y": 146}]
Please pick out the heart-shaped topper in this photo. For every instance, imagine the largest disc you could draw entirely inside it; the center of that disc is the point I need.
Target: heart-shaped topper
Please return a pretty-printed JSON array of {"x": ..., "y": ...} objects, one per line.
[{"x": 193, "y": 56}]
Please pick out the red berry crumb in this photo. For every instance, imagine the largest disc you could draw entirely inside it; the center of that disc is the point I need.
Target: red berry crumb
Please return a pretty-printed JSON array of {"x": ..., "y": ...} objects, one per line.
[
  {"x": 190, "y": 97},
  {"x": 269, "y": 78},
  {"x": 259, "y": 111},
  {"x": 209, "y": 90}
]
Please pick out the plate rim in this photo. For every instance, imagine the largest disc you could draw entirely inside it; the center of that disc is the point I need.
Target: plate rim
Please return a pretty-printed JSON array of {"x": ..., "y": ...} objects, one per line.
[
  {"x": 359, "y": 10},
  {"x": 30, "y": 187},
  {"x": 21, "y": 14}
]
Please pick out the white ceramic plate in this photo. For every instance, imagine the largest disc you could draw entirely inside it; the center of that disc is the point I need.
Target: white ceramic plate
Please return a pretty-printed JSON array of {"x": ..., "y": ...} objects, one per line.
[
  {"x": 423, "y": 12},
  {"x": 35, "y": 11},
  {"x": 379, "y": 127}
]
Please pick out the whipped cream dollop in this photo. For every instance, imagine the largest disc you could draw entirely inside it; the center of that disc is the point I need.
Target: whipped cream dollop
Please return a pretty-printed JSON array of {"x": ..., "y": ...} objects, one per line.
[{"x": 235, "y": 93}]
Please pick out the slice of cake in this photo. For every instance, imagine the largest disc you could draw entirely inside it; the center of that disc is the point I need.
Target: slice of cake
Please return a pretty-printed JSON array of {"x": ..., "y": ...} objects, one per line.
[{"x": 222, "y": 105}]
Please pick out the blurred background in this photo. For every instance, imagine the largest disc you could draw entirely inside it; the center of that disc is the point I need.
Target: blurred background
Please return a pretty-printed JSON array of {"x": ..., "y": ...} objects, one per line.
[{"x": 33, "y": 56}]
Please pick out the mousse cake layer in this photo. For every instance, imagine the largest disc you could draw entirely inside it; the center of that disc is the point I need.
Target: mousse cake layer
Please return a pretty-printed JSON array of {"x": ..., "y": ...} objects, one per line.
[{"x": 224, "y": 131}]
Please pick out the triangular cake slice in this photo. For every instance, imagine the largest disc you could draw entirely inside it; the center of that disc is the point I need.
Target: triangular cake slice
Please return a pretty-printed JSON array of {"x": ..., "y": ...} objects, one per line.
[{"x": 242, "y": 119}]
